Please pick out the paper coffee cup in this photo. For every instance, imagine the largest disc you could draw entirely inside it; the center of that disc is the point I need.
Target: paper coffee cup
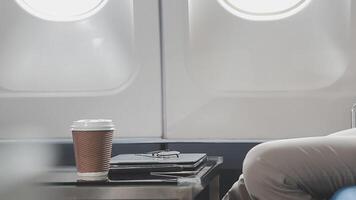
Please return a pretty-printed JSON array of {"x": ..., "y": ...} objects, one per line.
[{"x": 92, "y": 140}]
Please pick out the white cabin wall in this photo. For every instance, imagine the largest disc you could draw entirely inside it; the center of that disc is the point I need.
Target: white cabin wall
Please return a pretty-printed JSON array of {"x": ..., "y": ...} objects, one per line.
[
  {"x": 271, "y": 97},
  {"x": 216, "y": 85},
  {"x": 56, "y": 86}
]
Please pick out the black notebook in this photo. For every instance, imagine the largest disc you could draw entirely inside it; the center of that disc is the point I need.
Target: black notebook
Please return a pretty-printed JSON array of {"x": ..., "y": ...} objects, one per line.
[
  {"x": 184, "y": 158},
  {"x": 141, "y": 163}
]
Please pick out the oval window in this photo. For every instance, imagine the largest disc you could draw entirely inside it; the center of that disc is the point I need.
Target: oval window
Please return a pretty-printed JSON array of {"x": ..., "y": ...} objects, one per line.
[
  {"x": 263, "y": 10},
  {"x": 62, "y": 10}
]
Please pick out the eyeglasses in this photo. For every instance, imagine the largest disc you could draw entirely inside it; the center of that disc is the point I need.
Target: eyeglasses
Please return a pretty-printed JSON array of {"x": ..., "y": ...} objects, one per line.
[
  {"x": 165, "y": 153},
  {"x": 162, "y": 154}
]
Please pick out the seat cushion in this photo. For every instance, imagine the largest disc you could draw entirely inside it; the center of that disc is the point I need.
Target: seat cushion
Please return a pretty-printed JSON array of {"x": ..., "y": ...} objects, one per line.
[{"x": 348, "y": 193}]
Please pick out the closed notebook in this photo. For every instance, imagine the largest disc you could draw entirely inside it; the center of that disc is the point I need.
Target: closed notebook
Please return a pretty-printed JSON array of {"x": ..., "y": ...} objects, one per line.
[{"x": 184, "y": 158}]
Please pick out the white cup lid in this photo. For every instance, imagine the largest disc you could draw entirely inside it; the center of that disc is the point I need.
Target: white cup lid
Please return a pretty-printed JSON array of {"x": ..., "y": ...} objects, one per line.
[{"x": 93, "y": 125}]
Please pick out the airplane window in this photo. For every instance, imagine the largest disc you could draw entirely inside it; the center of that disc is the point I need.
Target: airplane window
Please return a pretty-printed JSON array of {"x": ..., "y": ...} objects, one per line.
[
  {"x": 62, "y": 10},
  {"x": 264, "y": 10}
]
